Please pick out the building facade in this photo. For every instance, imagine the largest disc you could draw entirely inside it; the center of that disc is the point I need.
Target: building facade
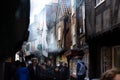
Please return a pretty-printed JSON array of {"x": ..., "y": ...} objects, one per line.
[
  {"x": 71, "y": 33},
  {"x": 63, "y": 32},
  {"x": 103, "y": 27}
]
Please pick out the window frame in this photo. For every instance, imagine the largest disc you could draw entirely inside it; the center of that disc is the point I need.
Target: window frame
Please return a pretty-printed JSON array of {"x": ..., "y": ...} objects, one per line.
[
  {"x": 113, "y": 55},
  {"x": 99, "y": 2}
]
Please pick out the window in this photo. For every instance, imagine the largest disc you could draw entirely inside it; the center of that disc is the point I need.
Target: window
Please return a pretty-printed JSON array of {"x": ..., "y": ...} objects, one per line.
[
  {"x": 74, "y": 41},
  {"x": 73, "y": 30},
  {"x": 98, "y": 2},
  {"x": 106, "y": 59},
  {"x": 116, "y": 56},
  {"x": 110, "y": 58},
  {"x": 59, "y": 33},
  {"x": 28, "y": 47},
  {"x": 72, "y": 65}
]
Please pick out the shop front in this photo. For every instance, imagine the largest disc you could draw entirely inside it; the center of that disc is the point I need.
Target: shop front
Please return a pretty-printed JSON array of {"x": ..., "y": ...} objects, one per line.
[{"x": 72, "y": 59}]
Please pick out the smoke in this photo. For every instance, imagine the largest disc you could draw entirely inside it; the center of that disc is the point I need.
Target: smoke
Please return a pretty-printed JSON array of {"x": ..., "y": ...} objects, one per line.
[
  {"x": 33, "y": 32},
  {"x": 36, "y": 6},
  {"x": 42, "y": 25},
  {"x": 52, "y": 42}
]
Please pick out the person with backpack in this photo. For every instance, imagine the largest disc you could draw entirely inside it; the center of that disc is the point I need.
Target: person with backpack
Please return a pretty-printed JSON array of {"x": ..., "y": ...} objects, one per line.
[{"x": 80, "y": 69}]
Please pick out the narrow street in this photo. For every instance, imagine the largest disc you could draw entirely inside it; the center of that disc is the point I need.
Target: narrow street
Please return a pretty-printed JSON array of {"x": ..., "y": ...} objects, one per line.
[{"x": 59, "y": 39}]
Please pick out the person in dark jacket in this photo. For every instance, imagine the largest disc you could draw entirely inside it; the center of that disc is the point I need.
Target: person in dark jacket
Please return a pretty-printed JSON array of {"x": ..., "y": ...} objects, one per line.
[
  {"x": 62, "y": 70},
  {"x": 66, "y": 71},
  {"x": 49, "y": 70},
  {"x": 34, "y": 70},
  {"x": 56, "y": 73},
  {"x": 43, "y": 72}
]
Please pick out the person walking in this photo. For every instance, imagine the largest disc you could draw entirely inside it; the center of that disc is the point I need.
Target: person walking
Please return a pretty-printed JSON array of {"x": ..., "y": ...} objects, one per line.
[
  {"x": 56, "y": 73},
  {"x": 64, "y": 71},
  {"x": 34, "y": 69},
  {"x": 80, "y": 69},
  {"x": 43, "y": 72},
  {"x": 49, "y": 70}
]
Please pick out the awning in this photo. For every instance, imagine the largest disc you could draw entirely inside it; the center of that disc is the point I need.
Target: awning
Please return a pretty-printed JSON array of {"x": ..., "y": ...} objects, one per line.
[{"x": 74, "y": 52}]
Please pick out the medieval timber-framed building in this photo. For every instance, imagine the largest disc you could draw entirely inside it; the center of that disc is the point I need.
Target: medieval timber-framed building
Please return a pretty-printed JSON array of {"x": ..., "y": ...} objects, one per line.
[{"x": 103, "y": 29}]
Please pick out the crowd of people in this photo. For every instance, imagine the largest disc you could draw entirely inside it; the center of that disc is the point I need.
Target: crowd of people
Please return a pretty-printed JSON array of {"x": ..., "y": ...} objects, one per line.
[
  {"x": 39, "y": 71},
  {"x": 46, "y": 71}
]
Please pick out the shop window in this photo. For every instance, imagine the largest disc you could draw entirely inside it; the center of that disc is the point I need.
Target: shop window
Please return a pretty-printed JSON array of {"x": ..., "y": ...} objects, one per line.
[
  {"x": 17, "y": 58},
  {"x": 110, "y": 58},
  {"x": 106, "y": 59},
  {"x": 116, "y": 57},
  {"x": 72, "y": 65}
]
